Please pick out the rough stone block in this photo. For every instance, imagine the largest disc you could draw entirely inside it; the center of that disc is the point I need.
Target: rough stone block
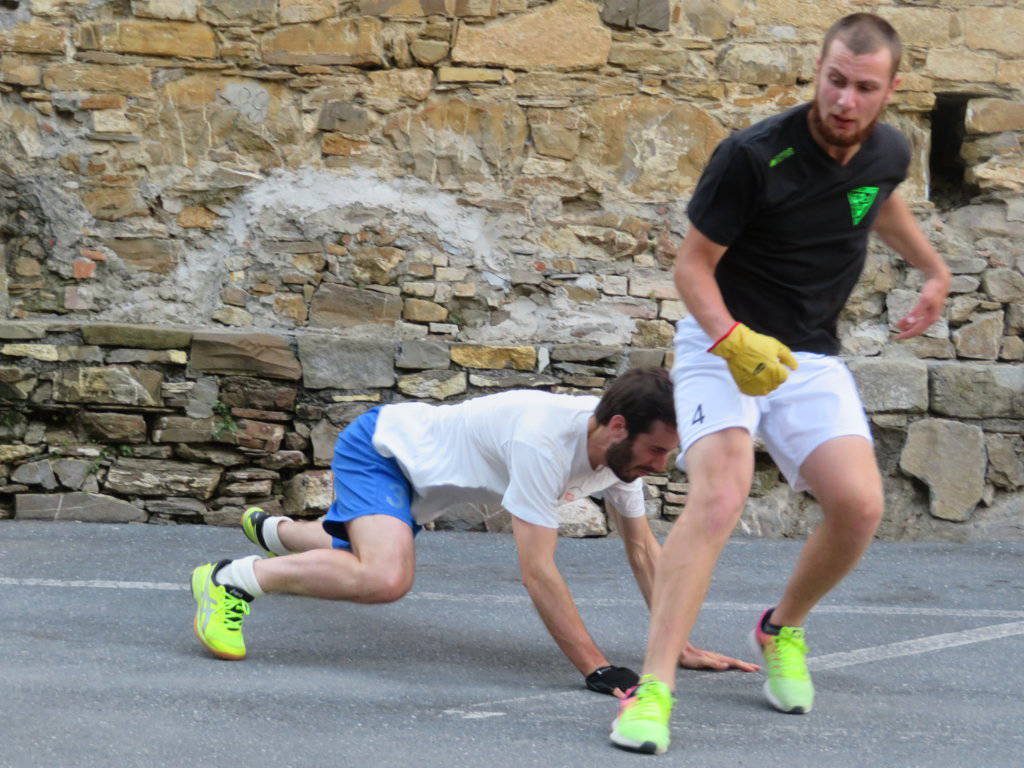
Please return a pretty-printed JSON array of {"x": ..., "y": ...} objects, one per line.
[
  {"x": 994, "y": 115},
  {"x": 114, "y": 203},
  {"x": 345, "y": 117},
  {"x": 16, "y": 383},
  {"x": 179, "y": 507},
  {"x": 994, "y": 29},
  {"x": 354, "y": 42},
  {"x": 480, "y": 356},
  {"x": 238, "y": 12},
  {"x": 147, "y": 253},
  {"x": 10, "y": 453},
  {"x": 150, "y": 38},
  {"x": 254, "y": 434},
  {"x": 82, "y": 507},
  {"x": 891, "y": 384},
  {"x": 73, "y": 473},
  {"x": 433, "y": 385},
  {"x": 511, "y": 380},
  {"x": 127, "y": 79},
  {"x": 140, "y": 336},
  {"x": 32, "y": 37},
  {"x": 422, "y": 311},
  {"x": 181, "y": 429},
  {"x": 151, "y": 477},
  {"x": 406, "y": 8},
  {"x": 299, "y": 11},
  {"x": 210, "y": 454},
  {"x": 330, "y": 362},
  {"x": 960, "y": 66},
  {"x": 421, "y": 354},
  {"x": 567, "y": 35},
  {"x": 1005, "y": 461},
  {"x": 15, "y": 330},
  {"x": 581, "y": 518},
  {"x": 976, "y": 391},
  {"x": 35, "y": 473},
  {"x": 309, "y": 493},
  {"x": 114, "y": 427},
  {"x": 175, "y": 10},
  {"x": 981, "y": 338},
  {"x": 950, "y": 458},
  {"x": 584, "y": 353},
  {"x": 339, "y": 306},
  {"x": 111, "y": 385},
  {"x": 262, "y": 354}
]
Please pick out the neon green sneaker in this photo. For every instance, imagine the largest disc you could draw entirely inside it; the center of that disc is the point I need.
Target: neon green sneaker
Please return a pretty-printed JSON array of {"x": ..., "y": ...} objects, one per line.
[
  {"x": 788, "y": 687},
  {"x": 252, "y": 527},
  {"x": 219, "y": 613},
  {"x": 642, "y": 723}
]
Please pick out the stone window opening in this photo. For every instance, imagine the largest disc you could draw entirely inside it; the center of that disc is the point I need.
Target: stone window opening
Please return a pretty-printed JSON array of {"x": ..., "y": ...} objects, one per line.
[
  {"x": 10, "y": 5},
  {"x": 948, "y": 186}
]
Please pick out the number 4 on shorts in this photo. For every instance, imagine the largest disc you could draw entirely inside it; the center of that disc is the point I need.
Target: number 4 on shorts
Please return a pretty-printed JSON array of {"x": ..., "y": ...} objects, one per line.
[{"x": 698, "y": 415}]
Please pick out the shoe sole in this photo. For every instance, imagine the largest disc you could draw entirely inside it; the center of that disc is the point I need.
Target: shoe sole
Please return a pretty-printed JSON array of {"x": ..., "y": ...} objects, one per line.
[
  {"x": 226, "y": 655},
  {"x": 756, "y": 648},
  {"x": 643, "y": 747}
]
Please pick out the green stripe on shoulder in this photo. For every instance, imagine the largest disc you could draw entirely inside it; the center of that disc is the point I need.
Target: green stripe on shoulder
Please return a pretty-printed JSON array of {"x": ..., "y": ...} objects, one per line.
[{"x": 786, "y": 153}]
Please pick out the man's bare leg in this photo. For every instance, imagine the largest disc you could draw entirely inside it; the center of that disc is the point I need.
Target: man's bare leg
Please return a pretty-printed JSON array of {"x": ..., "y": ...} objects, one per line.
[
  {"x": 719, "y": 467},
  {"x": 379, "y": 569},
  {"x": 303, "y": 535},
  {"x": 843, "y": 475}
]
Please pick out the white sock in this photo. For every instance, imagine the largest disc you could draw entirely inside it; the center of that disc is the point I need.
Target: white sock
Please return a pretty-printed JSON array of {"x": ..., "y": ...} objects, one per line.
[
  {"x": 270, "y": 535},
  {"x": 240, "y": 573}
]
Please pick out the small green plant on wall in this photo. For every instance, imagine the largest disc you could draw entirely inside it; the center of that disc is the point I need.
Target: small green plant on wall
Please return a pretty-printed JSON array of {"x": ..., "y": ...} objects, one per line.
[{"x": 225, "y": 421}]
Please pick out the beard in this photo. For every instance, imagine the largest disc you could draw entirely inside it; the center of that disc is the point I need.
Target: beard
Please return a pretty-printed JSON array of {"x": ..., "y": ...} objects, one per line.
[
  {"x": 619, "y": 459},
  {"x": 834, "y": 139}
]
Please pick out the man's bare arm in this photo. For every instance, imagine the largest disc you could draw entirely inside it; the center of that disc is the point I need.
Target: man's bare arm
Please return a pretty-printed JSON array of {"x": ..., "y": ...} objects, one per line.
[
  {"x": 899, "y": 230},
  {"x": 551, "y": 597},
  {"x": 642, "y": 551},
  {"x": 694, "y": 274}
]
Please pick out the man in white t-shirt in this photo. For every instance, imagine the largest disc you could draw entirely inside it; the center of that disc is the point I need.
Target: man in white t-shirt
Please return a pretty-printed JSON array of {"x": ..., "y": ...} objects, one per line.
[{"x": 399, "y": 466}]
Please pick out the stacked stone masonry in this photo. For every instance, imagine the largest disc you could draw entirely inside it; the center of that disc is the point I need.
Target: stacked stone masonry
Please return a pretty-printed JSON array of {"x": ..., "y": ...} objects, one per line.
[{"x": 227, "y": 228}]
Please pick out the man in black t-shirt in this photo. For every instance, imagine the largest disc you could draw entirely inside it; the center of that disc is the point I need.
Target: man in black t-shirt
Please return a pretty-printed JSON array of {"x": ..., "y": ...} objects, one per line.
[{"x": 780, "y": 222}]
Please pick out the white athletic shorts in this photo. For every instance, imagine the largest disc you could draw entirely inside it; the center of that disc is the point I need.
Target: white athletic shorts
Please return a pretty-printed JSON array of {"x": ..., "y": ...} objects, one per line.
[{"x": 817, "y": 403}]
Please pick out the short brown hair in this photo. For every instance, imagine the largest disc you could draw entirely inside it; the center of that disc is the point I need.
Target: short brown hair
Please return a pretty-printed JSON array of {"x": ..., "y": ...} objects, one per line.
[
  {"x": 865, "y": 33},
  {"x": 641, "y": 396}
]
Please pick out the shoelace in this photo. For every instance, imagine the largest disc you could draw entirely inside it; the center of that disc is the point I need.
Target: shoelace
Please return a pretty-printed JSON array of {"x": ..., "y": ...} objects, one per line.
[
  {"x": 645, "y": 704},
  {"x": 786, "y": 658},
  {"x": 235, "y": 610}
]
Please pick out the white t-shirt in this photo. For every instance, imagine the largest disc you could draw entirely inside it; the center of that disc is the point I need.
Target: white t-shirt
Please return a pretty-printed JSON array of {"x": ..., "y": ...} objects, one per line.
[{"x": 526, "y": 450}]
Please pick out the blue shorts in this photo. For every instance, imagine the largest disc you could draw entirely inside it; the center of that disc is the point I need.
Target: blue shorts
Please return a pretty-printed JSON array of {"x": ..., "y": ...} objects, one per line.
[{"x": 365, "y": 483}]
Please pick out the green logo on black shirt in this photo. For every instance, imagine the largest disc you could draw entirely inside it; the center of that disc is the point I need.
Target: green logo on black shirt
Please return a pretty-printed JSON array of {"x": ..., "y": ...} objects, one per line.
[
  {"x": 787, "y": 152},
  {"x": 860, "y": 202}
]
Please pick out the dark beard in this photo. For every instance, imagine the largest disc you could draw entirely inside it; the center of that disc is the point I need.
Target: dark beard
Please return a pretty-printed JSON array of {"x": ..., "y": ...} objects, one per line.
[
  {"x": 619, "y": 459},
  {"x": 834, "y": 140}
]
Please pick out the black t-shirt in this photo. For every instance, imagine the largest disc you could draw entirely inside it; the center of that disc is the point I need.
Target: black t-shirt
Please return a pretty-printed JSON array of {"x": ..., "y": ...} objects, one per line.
[{"x": 795, "y": 223}]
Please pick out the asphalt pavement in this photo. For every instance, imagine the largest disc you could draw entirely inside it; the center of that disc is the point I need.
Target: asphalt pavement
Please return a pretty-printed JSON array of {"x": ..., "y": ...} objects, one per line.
[{"x": 918, "y": 659}]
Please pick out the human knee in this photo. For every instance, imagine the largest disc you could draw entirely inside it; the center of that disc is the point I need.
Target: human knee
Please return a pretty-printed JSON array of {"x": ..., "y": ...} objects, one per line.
[
  {"x": 386, "y": 585},
  {"x": 717, "y": 509},
  {"x": 861, "y": 513}
]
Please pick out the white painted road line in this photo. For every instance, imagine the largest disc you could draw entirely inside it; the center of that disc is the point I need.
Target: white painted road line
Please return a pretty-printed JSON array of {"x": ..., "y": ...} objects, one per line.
[
  {"x": 913, "y": 647},
  {"x": 598, "y": 602},
  {"x": 93, "y": 584}
]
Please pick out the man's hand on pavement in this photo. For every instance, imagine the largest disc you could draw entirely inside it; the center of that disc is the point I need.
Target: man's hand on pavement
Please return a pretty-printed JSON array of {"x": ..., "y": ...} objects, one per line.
[{"x": 698, "y": 658}]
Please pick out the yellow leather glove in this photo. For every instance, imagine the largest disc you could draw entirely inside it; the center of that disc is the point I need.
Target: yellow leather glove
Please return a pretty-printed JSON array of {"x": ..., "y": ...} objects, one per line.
[{"x": 755, "y": 360}]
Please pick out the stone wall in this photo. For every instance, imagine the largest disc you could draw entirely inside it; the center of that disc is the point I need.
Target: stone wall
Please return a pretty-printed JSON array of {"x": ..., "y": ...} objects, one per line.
[{"x": 390, "y": 199}]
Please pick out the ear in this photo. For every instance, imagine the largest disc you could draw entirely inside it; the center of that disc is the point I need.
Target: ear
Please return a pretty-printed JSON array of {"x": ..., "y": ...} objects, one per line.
[
  {"x": 618, "y": 428},
  {"x": 892, "y": 88}
]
